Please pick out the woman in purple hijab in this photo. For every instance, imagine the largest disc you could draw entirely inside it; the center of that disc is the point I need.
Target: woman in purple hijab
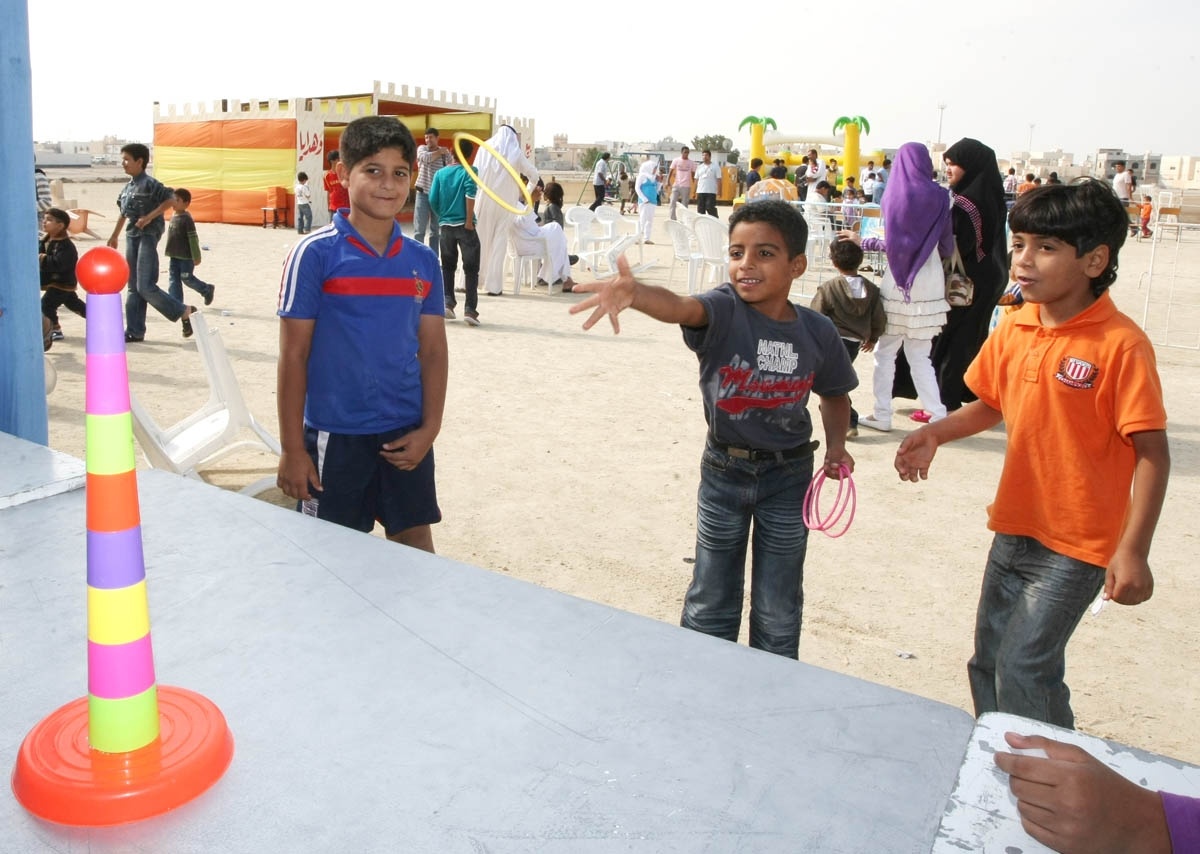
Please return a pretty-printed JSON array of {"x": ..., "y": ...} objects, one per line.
[{"x": 917, "y": 235}]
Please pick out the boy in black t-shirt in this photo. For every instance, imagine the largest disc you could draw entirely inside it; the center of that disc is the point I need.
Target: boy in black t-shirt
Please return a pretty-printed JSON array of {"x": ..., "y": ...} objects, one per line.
[{"x": 760, "y": 356}]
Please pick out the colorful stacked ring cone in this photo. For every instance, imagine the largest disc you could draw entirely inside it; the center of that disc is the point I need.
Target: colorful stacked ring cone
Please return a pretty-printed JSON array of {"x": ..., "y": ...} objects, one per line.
[{"x": 131, "y": 749}]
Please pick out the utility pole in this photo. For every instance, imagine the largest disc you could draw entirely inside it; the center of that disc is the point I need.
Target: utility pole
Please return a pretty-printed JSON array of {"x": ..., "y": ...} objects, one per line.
[
  {"x": 1030, "y": 149},
  {"x": 941, "y": 110}
]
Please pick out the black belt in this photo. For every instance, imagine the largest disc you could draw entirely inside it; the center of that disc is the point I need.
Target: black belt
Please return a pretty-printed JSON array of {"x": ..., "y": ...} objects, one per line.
[{"x": 755, "y": 455}]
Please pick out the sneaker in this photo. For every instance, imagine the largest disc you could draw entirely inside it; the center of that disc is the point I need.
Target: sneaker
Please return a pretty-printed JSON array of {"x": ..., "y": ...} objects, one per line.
[
  {"x": 187, "y": 327},
  {"x": 208, "y": 295},
  {"x": 57, "y": 335},
  {"x": 542, "y": 283},
  {"x": 921, "y": 416},
  {"x": 875, "y": 423},
  {"x": 130, "y": 338},
  {"x": 852, "y": 433},
  {"x": 472, "y": 318},
  {"x": 449, "y": 313}
]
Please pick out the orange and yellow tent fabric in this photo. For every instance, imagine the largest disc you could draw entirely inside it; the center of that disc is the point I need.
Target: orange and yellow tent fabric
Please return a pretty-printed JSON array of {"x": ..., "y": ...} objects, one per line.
[{"x": 228, "y": 166}]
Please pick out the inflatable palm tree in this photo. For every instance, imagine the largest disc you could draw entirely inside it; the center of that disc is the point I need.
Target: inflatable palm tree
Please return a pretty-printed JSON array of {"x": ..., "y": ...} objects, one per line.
[
  {"x": 851, "y": 126},
  {"x": 757, "y": 128}
]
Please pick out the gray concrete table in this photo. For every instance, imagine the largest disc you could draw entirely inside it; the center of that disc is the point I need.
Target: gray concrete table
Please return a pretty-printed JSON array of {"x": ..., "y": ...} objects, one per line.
[
  {"x": 386, "y": 700},
  {"x": 29, "y": 471}
]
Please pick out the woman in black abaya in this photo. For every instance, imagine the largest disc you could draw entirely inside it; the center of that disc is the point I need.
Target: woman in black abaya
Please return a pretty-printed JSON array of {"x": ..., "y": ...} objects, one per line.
[{"x": 978, "y": 214}]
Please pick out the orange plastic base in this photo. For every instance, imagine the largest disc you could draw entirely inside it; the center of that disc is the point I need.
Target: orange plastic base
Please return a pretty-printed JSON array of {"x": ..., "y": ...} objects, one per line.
[{"x": 60, "y": 778}]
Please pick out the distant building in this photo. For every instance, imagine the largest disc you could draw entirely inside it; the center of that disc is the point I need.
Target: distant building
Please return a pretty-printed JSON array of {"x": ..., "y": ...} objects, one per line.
[
  {"x": 562, "y": 155},
  {"x": 1042, "y": 163},
  {"x": 61, "y": 154},
  {"x": 1146, "y": 167},
  {"x": 1180, "y": 172}
]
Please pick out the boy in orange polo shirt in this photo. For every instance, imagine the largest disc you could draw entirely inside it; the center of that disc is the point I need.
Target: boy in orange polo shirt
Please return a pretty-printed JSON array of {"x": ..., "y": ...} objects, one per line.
[{"x": 1075, "y": 382}]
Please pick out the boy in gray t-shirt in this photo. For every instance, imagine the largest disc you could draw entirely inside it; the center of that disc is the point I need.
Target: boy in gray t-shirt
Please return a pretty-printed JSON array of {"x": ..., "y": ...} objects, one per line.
[{"x": 760, "y": 356}]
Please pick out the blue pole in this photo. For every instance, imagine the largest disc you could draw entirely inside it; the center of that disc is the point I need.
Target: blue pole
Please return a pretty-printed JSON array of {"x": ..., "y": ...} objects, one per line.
[{"x": 22, "y": 374}]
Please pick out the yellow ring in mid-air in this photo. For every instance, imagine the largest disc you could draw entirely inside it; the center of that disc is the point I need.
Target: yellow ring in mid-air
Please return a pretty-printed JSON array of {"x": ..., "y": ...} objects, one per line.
[{"x": 503, "y": 162}]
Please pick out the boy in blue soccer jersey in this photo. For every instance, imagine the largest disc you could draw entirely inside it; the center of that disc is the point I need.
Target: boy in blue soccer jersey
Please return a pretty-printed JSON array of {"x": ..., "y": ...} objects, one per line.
[{"x": 362, "y": 352}]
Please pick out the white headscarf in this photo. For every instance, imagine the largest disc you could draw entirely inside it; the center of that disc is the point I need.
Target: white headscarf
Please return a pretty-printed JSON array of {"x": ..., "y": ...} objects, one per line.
[{"x": 648, "y": 171}]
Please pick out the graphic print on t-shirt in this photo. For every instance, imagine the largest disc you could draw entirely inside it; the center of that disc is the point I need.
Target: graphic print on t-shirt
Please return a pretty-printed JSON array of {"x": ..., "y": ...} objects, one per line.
[{"x": 769, "y": 384}]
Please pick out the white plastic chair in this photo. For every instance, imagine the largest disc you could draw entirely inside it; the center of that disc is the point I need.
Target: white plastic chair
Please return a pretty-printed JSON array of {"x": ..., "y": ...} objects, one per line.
[
  {"x": 589, "y": 240},
  {"x": 525, "y": 267},
  {"x": 609, "y": 222},
  {"x": 712, "y": 237},
  {"x": 579, "y": 220},
  {"x": 213, "y": 431},
  {"x": 820, "y": 230},
  {"x": 681, "y": 242}
]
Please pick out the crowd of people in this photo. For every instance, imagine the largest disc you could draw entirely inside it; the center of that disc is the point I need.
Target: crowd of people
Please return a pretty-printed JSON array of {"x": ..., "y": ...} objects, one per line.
[{"x": 363, "y": 371}]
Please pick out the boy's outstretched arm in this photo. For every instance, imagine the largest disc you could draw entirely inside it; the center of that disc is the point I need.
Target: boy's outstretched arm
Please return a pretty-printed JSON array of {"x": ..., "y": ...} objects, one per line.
[
  {"x": 296, "y": 470},
  {"x": 835, "y": 418},
  {"x": 916, "y": 451},
  {"x": 622, "y": 291},
  {"x": 1128, "y": 579}
]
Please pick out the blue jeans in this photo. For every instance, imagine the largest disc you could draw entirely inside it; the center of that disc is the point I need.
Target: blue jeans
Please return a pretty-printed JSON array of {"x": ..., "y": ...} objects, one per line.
[
  {"x": 424, "y": 218},
  {"x": 303, "y": 218},
  {"x": 179, "y": 273},
  {"x": 733, "y": 492},
  {"x": 1032, "y": 600},
  {"x": 141, "y": 254}
]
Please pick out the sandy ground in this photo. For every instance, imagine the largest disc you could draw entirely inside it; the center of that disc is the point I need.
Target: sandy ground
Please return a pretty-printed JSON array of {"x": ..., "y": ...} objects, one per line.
[{"x": 570, "y": 460}]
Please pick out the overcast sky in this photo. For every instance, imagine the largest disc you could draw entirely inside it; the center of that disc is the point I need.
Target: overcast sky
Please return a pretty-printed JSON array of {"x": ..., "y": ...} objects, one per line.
[{"x": 1085, "y": 75}]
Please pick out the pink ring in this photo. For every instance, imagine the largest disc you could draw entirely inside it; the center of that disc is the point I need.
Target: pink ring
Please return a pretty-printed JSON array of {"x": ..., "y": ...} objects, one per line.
[{"x": 846, "y": 499}]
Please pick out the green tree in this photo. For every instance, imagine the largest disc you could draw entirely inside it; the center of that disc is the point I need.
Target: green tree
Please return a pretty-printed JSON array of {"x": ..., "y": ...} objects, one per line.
[
  {"x": 590, "y": 157},
  {"x": 713, "y": 142}
]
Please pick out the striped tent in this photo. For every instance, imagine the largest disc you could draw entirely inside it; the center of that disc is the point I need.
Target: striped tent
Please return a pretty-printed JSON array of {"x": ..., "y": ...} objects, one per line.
[{"x": 228, "y": 165}]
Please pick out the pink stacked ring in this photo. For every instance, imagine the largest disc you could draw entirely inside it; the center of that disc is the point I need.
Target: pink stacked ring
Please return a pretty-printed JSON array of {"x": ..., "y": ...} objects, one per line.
[{"x": 845, "y": 500}]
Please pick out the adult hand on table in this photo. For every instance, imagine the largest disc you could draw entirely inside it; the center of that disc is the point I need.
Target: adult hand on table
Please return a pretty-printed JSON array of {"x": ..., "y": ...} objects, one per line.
[{"x": 1072, "y": 802}]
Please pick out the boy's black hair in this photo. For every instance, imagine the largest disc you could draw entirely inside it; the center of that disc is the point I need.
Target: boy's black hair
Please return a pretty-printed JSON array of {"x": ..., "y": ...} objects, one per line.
[
  {"x": 301, "y": 176},
  {"x": 137, "y": 151},
  {"x": 756, "y": 162},
  {"x": 58, "y": 214},
  {"x": 846, "y": 255},
  {"x": 554, "y": 193},
  {"x": 1085, "y": 213},
  {"x": 781, "y": 216},
  {"x": 183, "y": 195},
  {"x": 333, "y": 157},
  {"x": 466, "y": 147},
  {"x": 433, "y": 131},
  {"x": 371, "y": 134}
]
